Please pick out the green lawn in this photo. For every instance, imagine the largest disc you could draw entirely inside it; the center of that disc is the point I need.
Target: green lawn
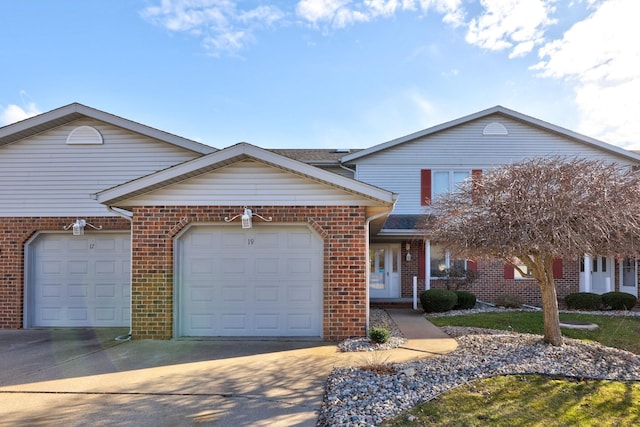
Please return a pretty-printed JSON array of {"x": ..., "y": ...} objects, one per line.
[
  {"x": 614, "y": 331},
  {"x": 530, "y": 400},
  {"x": 535, "y": 400}
]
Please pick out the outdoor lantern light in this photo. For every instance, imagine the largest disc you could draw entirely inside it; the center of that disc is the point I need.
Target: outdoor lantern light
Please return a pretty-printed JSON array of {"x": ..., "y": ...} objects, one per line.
[
  {"x": 246, "y": 218},
  {"x": 78, "y": 227},
  {"x": 408, "y": 255}
]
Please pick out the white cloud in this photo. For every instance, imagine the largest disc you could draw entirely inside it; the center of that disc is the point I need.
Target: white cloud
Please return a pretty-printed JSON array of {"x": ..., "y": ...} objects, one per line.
[
  {"x": 13, "y": 113},
  {"x": 337, "y": 14},
  {"x": 600, "y": 57},
  {"x": 222, "y": 26},
  {"x": 518, "y": 25}
]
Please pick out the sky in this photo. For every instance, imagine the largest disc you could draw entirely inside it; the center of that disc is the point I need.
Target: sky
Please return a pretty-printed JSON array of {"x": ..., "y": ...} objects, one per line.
[{"x": 324, "y": 74}]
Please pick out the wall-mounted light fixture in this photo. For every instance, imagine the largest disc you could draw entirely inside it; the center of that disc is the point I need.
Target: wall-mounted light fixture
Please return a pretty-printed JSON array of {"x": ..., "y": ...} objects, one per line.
[
  {"x": 408, "y": 249},
  {"x": 247, "y": 218},
  {"x": 79, "y": 225}
]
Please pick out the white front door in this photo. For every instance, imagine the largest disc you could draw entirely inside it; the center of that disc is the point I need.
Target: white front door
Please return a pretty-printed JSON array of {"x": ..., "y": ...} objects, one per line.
[
  {"x": 384, "y": 271},
  {"x": 601, "y": 273},
  {"x": 629, "y": 276}
]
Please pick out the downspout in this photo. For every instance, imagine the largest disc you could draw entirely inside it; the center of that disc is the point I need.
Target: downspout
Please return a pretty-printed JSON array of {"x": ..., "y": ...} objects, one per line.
[
  {"x": 368, "y": 255},
  {"x": 129, "y": 217}
]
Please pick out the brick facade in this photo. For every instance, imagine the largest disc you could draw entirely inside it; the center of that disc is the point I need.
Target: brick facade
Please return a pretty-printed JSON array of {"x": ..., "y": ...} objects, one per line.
[
  {"x": 342, "y": 229},
  {"x": 14, "y": 234},
  {"x": 491, "y": 281}
]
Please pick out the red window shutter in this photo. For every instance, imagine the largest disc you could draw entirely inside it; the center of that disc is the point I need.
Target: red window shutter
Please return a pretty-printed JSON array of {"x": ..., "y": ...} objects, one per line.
[
  {"x": 425, "y": 187},
  {"x": 508, "y": 272},
  {"x": 557, "y": 268},
  {"x": 472, "y": 265},
  {"x": 421, "y": 264}
]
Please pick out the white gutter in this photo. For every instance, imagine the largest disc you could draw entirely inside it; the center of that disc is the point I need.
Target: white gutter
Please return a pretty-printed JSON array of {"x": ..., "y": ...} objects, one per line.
[
  {"x": 368, "y": 260},
  {"x": 129, "y": 217}
]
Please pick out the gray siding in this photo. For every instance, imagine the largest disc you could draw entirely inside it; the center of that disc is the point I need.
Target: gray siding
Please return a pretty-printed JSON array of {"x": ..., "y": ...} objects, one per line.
[
  {"x": 248, "y": 183},
  {"x": 464, "y": 147},
  {"x": 44, "y": 176}
]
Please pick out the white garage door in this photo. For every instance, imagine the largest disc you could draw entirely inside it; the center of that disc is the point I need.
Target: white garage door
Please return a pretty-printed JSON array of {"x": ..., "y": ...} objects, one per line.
[
  {"x": 80, "y": 280},
  {"x": 264, "y": 281}
]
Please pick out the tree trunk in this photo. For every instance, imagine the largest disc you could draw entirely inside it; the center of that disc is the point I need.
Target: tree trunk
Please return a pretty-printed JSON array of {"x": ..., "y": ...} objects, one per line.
[{"x": 552, "y": 333}]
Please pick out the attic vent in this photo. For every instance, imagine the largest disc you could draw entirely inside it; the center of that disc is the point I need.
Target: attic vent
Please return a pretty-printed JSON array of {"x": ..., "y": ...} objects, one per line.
[
  {"x": 84, "y": 135},
  {"x": 495, "y": 128}
]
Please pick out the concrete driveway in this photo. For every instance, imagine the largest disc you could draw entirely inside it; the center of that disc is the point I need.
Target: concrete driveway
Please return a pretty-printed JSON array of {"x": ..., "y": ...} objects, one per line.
[{"x": 84, "y": 377}]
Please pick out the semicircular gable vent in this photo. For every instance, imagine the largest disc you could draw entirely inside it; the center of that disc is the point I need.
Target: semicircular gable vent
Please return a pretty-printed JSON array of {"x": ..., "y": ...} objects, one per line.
[
  {"x": 84, "y": 135},
  {"x": 495, "y": 128}
]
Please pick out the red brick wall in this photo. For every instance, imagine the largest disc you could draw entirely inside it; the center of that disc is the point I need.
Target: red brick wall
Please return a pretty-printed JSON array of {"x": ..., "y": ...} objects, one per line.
[
  {"x": 14, "y": 233},
  {"x": 344, "y": 286},
  {"x": 491, "y": 281}
]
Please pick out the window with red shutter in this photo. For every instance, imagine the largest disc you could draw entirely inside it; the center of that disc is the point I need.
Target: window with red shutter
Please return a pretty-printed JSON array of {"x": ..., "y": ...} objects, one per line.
[{"x": 425, "y": 187}]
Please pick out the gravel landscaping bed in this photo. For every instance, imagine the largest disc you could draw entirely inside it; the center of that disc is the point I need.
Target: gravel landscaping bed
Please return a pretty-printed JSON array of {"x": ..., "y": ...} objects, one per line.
[
  {"x": 359, "y": 397},
  {"x": 377, "y": 318}
]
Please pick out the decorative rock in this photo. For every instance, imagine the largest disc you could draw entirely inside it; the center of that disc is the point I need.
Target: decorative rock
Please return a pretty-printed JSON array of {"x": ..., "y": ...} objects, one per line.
[{"x": 481, "y": 353}]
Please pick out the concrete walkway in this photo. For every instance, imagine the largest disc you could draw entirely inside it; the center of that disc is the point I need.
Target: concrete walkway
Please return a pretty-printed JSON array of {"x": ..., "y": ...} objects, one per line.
[{"x": 83, "y": 377}]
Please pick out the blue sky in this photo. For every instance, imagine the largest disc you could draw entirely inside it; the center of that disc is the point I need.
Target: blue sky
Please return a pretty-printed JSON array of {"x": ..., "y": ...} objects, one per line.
[{"x": 332, "y": 73}]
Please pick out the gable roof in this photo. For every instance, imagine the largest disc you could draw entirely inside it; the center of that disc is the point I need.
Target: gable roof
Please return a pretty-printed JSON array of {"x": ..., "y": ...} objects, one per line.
[
  {"x": 233, "y": 154},
  {"x": 69, "y": 113},
  {"x": 484, "y": 113}
]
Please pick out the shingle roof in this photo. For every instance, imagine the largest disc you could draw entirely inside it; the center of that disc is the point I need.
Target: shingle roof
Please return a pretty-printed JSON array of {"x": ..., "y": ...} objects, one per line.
[{"x": 315, "y": 155}]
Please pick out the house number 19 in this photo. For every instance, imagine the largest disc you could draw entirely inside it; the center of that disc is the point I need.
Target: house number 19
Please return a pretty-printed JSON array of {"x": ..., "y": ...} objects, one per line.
[{"x": 250, "y": 242}]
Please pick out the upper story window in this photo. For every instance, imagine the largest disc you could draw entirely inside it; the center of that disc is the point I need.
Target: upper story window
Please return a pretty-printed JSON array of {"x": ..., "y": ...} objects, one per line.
[
  {"x": 438, "y": 182},
  {"x": 447, "y": 182}
]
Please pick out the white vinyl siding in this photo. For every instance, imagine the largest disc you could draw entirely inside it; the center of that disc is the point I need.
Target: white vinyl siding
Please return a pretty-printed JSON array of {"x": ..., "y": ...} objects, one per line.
[
  {"x": 45, "y": 176},
  {"x": 464, "y": 148},
  {"x": 248, "y": 183}
]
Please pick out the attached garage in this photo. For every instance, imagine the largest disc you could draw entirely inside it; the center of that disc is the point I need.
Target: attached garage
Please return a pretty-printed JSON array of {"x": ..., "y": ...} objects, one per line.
[
  {"x": 264, "y": 281},
  {"x": 244, "y": 242},
  {"x": 78, "y": 281}
]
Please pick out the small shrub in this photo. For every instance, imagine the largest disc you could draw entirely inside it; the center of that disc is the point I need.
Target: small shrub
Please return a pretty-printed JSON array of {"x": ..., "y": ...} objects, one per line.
[
  {"x": 619, "y": 300},
  {"x": 379, "y": 335},
  {"x": 438, "y": 300},
  {"x": 378, "y": 364},
  {"x": 583, "y": 301},
  {"x": 466, "y": 300},
  {"x": 509, "y": 301}
]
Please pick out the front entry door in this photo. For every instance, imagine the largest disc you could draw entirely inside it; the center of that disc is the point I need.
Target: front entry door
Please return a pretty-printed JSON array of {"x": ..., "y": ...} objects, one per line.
[
  {"x": 384, "y": 271},
  {"x": 601, "y": 270},
  {"x": 629, "y": 276}
]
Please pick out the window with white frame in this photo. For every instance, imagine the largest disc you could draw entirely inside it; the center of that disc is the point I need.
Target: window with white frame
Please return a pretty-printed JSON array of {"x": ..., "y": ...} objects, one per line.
[
  {"x": 442, "y": 262},
  {"x": 517, "y": 274},
  {"x": 445, "y": 182}
]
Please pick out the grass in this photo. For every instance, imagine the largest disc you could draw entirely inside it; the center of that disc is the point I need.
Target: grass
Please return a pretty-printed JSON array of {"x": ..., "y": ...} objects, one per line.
[
  {"x": 536, "y": 400},
  {"x": 530, "y": 400},
  {"x": 614, "y": 331}
]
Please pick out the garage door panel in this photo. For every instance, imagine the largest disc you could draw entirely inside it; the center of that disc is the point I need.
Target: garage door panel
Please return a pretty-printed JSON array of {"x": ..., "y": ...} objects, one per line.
[
  {"x": 80, "y": 280},
  {"x": 258, "y": 279}
]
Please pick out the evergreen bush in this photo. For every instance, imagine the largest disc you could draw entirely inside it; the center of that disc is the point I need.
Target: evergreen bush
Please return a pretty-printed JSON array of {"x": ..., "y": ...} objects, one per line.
[
  {"x": 438, "y": 300},
  {"x": 466, "y": 300},
  {"x": 583, "y": 301},
  {"x": 619, "y": 301},
  {"x": 379, "y": 335}
]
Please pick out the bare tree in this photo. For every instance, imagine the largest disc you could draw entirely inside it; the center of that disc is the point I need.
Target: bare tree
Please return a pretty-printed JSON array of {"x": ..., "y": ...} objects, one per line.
[{"x": 541, "y": 209}]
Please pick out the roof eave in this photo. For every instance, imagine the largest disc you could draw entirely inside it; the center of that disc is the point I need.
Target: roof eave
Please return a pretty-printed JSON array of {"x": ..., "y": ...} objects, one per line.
[{"x": 69, "y": 113}]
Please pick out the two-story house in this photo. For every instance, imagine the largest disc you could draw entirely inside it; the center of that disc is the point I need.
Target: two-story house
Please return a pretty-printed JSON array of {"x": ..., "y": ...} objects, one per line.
[{"x": 108, "y": 222}]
